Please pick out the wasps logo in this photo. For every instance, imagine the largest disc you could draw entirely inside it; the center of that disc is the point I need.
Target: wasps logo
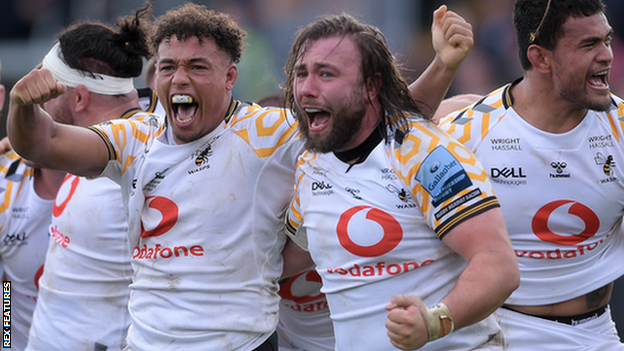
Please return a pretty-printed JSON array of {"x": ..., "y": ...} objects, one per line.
[
  {"x": 201, "y": 156},
  {"x": 402, "y": 194},
  {"x": 606, "y": 162}
]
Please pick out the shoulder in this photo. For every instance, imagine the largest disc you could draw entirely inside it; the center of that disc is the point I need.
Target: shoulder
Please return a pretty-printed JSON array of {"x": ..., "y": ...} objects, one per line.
[
  {"x": 12, "y": 167},
  {"x": 476, "y": 120},
  {"x": 263, "y": 129},
  {"x": 424, "y": 140}
]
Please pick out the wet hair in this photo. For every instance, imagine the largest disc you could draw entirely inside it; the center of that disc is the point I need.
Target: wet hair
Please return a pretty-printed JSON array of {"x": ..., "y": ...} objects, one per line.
[
  {"x": 393, "y": 93},
  {"x": 541, "y": 22},
  {"x": 192, "y": 20}
]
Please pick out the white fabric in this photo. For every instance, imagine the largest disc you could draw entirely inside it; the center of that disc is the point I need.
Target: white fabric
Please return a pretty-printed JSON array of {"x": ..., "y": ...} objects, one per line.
[
  {"x": 523, "y": 332},
  {"x": 84, "y": 289},
  {"x": 24, "y": 219},
  {"x": 206, "y": 275},
  {"x": 371, "y": 231},
  {"x": 98, "y": 83},
  {"x": 562, "y": 210},
  {"x": 304, "y": 322}
]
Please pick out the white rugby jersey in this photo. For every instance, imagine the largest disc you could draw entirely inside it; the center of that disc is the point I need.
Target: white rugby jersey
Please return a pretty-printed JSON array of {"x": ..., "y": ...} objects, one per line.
[
  {"x": 84, "y": 290},
  {"x": 374, "y": 230},
  {"x": 24, "y": 221},
  {"x": 562, "y": 195},
  {"x": 203, "y": 218},
  {"x": 304, "y": 322}
]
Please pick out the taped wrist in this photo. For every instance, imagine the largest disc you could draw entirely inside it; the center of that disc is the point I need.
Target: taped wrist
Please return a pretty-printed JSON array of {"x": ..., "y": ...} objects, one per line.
[{"x": 439, "y": 321}]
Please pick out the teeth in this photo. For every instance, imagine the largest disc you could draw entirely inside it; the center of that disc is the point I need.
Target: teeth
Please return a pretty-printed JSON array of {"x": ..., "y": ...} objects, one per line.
[
  {"x": 182, "y": 99},
  {"x": 312, "y": 110}
]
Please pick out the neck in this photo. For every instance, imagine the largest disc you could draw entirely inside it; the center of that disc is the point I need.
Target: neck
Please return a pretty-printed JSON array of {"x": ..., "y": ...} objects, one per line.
[
  {"x": 48, "y": 182},
  {"x": 359, "y": 153},
  {"x": 104, "y": 108},
  {"x": 542, "y": 107}
]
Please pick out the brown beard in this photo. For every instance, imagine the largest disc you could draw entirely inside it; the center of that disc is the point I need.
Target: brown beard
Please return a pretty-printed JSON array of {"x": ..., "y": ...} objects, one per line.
[{"x": 344, "y": 125}]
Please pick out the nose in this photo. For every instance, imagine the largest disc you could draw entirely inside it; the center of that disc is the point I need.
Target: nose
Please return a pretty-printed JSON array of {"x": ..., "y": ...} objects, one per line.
[
  {"x": 180, "y": 77},
  {"x": 307, "y": 86},
  {"x": 606, "y": 54}
]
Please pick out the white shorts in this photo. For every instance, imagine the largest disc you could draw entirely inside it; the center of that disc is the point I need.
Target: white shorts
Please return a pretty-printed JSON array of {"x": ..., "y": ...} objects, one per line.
[{"x": 524, "y": 332}]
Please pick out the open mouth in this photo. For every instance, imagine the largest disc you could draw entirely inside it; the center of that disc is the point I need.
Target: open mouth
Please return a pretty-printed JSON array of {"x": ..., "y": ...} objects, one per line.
[
  {"x": 184, "y": 108},
  {"x": 599, "y": 80},
  {"x": 317, "y": 119}
]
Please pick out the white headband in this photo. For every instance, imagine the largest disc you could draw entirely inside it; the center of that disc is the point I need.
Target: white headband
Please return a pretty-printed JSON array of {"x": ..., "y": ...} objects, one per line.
[{"x": 98, "y": 83}]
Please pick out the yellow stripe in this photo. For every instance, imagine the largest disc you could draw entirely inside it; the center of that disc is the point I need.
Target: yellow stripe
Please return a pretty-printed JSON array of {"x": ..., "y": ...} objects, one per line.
[{"x": 465, "y": 215}]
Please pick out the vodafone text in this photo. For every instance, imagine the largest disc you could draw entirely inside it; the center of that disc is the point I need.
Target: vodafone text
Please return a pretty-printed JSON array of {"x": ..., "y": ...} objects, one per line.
[
  {"x": 59, "y": 237},
  {"x": 378, "y": 269},
  {"x": 159, "y": 251},
  {"x": 308, "y": 307},
  {"x": 557, "y": 254}
]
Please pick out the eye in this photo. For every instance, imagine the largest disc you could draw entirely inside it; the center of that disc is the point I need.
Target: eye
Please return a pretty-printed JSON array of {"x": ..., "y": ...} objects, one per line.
[
  {"x": 198, "y": 67},
  {"x": 608, "y": 40}
]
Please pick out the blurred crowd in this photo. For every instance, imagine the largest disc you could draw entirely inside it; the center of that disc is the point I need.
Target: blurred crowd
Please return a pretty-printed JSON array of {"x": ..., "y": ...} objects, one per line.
[{"x": 271, "y": 25}]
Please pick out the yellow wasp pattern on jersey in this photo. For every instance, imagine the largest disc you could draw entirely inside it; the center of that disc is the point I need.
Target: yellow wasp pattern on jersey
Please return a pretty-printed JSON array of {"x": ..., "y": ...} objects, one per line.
[
  {"x": 373, "y": 229},
  {"x": 208, "y": 213},
  {"x": 408, "y": 156},
  {"x": 561, "y": 194}
]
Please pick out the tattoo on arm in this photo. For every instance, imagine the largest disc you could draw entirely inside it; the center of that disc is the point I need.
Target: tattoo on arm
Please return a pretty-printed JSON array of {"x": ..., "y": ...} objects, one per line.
[
  {"x": 95, "y": 169},
  {"x": 595, "y": 298}
]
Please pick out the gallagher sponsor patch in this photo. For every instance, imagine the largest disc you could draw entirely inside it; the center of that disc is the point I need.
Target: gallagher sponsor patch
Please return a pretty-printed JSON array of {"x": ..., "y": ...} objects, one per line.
[{"x": 442, "y": 176}]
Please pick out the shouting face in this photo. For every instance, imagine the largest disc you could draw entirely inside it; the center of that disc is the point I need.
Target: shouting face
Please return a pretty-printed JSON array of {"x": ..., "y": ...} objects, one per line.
[{"x": 194, "y": 81}]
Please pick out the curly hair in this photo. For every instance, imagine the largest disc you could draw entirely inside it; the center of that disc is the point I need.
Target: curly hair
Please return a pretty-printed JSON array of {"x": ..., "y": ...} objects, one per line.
[
  {"x": 192, "y": 20},
  {"x": 97, "y": 48},
  {"x": 541, "y": 22},
  {"x": 394, "y": 95}
]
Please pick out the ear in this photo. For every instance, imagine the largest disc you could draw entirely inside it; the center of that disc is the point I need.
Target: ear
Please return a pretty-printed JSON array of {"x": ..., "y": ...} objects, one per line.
[
  {"x": 372, "y": 86},
  {"x": 2, "y": 92},
  {"x": 540, "y": 58},
  {"x": 231, "y": 77},
  {"x": 80, "y": 99}
]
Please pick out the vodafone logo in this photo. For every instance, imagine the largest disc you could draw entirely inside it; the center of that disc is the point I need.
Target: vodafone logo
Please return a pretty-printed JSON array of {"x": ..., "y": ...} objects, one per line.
[
  {"x": 392, "y": 232},
  {"x": 540, "y": 223},
  {"x": 169, "y": 211},
  {"x": 302, "y": 288},
  {"x": 58, "y": 209}
]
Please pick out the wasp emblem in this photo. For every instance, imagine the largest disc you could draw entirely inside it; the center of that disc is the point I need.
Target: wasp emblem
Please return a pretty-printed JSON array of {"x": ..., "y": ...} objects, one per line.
[
  {"x": 402, "y": 194},
  {"x": 606, "y": 162},
  {"x": 202, "y": 156}
]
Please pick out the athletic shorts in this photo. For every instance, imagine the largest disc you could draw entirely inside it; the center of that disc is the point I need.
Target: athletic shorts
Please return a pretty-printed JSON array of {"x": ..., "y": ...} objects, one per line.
[{"x": 523, "y": 332}]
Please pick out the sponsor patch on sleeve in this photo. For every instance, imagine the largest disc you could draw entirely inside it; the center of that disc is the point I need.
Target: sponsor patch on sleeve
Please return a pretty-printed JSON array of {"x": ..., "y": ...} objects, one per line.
[{"x": 442, "y": 175}]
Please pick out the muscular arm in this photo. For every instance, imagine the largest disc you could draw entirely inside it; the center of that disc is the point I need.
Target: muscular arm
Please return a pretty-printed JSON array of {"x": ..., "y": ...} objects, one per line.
[
  {"x": 35, "y": 136},
  {"x": 492, "y": 272},
  {"x": 452, "y": 40},
  {"x": 489, "y": 278}
]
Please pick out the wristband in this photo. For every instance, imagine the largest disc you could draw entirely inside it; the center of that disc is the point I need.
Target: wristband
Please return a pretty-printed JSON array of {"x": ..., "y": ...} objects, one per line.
[{"x": 439, "y": 321}]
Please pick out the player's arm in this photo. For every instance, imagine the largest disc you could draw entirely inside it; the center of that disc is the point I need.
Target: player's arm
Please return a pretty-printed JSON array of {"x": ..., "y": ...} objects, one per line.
[
  {"x": 452, "y": 40},
  {"x": 489, "y": 278},
  {"x": 296, "y": 260},
  {"x": 36, "y": 137}
]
